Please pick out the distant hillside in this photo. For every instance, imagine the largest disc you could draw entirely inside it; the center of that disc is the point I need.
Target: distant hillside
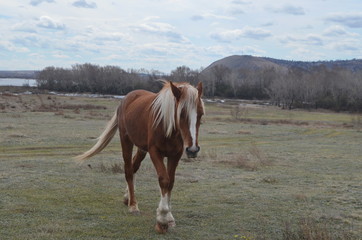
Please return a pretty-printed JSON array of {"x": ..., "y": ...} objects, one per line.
[
  {"x": 237, "y": 62},
  {"x": 354, "y": 64},
  {"x": 19, "y": 74}
]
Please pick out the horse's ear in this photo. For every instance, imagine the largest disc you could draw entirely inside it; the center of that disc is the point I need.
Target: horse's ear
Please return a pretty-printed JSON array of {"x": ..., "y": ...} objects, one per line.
[
  {"x": 176, "y": 92},
  {"x": 199, "y": 88}
]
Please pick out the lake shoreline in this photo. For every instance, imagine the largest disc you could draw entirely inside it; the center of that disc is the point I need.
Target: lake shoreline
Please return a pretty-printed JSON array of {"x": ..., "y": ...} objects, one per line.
[{"x": 18, "y": 82}]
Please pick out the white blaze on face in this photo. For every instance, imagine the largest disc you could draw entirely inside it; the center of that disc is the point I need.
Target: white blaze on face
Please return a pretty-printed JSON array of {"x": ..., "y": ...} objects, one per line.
[{"x": 193, "y": 120}]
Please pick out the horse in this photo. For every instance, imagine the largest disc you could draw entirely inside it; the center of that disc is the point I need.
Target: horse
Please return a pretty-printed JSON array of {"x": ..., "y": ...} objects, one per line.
[{"x": 162, "y": 124}]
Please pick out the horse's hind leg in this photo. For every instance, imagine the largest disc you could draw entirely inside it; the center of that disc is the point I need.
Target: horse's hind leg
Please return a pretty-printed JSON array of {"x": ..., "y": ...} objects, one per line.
[
  {"x": 127, "y": 147},
  {"x": 137, "y": 159},
  {"x": 136, "y": 163}
]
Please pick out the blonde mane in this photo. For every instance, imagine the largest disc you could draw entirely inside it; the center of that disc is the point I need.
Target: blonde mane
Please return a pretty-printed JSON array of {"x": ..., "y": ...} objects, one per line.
[{"x": 164, "y": 105}]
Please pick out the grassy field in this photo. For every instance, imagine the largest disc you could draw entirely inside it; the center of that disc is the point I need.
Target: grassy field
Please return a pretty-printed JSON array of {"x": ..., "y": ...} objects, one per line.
[{"x": 270, "y": 174}]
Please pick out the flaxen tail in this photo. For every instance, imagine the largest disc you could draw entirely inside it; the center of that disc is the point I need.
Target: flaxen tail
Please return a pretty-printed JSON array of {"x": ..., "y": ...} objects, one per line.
[{"x": 103, "y": 139}]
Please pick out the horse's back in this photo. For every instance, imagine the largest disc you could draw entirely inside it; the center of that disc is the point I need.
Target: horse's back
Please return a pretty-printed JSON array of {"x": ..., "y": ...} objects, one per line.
[{"x": 137, "y": 99}]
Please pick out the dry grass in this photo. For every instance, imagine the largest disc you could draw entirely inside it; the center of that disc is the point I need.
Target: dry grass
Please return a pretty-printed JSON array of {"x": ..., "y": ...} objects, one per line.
[
  {"x": 243, "y": 132},
  {"x": 258, "y": 154},
  {"x": 311, "y": 229},
  {"x": 42, "y": 103},
  {"x": 252, "y": 160},
  {"x": 300, "y": 197},
  {"x": 114, "y": 168},
  {"x": 244, "y": 185},
  {"x": 216, "y": 131},
  {"x": 238, "y": 112},
  {"x": 356, "y": 120},
  {"x": 274, "y": 121}
]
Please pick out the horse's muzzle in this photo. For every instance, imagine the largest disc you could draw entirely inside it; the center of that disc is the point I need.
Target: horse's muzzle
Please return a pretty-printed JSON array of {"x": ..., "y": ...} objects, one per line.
[{"x": 191, "y": 152}]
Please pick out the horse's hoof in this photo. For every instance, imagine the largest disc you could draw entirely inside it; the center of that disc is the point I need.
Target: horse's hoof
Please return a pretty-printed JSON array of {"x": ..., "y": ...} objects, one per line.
[
  {"x": 172, "y": 224},
  {"x": 161, "y": 228},
  {"x": 134, "y": 210}
]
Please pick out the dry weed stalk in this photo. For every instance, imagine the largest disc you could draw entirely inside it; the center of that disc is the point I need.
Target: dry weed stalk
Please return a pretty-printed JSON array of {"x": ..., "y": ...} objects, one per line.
[
  {"x": 239, "y": 111},
  {"x": 311, "y": 229},
  {"x": 114, "y": 168},
  {"x": 356, "y": 120},
  {"x": 259, "y": 155},
  {"x": 252, "y": 161}
]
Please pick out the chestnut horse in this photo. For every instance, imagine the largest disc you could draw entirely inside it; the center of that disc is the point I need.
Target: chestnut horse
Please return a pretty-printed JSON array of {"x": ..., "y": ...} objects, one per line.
[{"x": 161, "y": 124}]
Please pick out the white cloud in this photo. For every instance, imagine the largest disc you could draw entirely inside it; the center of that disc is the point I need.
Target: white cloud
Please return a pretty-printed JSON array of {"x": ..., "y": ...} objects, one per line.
[
  {"x": 154, "y": 50},
  {"x": 352, "y": 20},
  {"x": 246, "y": 32},
  {"x": 37, "y": 2},
  {"x": 241, "y": 2},
  {"x": 251, "y": 50},
  {"x": 60, "y": 55},
  {"x": 11, "y": 47},
  {"x": 110, "y": 36},
  {"x": 219, "y": 51},
  {"x": 114, "y": 57},
  {"x": 289, "y": 9},
  {"x": 346, "y": 47},
  {"x": 337, "y": 30},
  {"x": 349, "y": 45},
  {"x": 49, "y": 23},
  {"x": 197, "y": 17},
  {"x": 313, "y": 39},
  {"x": 217, "y": 16},
  {"x": 31, "y": 40},
  {"x": 161, "y": 34},
  {"x": 160, "y": 29},
  {"x": 24, "y": 27},
  {"x": 237, "y": 7},
  {"x": 309, "y": 39},
  {"x": 84, "y": 4},
  {"x": 236, "y": 11},
  {"x": 267, "y": 24},
  {"x": 305, "y": 54}
]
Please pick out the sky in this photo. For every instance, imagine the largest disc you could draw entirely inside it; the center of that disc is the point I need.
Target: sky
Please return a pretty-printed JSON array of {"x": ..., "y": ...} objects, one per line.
[{"x": 165, "y": 34}]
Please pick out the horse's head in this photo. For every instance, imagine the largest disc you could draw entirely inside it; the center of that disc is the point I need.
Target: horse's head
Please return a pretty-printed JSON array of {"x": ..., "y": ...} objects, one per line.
[{"x": 190, "y": 109}]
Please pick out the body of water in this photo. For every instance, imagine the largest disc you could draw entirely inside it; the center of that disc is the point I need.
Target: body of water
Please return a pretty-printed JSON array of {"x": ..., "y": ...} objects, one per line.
[{"x": 17, "y": 82}]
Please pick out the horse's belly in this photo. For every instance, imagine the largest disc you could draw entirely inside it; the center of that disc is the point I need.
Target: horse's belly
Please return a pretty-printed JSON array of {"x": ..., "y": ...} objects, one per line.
[{"x": 137, "y": 135}]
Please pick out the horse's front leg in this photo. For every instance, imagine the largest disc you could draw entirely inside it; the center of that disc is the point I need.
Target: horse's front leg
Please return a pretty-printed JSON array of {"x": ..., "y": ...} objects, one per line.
[
  {"x": 172, "y": 163},
  {"x": 166, "y": 179}
]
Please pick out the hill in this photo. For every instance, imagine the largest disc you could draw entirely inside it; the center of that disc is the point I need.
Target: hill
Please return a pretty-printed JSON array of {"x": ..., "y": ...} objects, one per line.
[{"x": 237, "y": 62}]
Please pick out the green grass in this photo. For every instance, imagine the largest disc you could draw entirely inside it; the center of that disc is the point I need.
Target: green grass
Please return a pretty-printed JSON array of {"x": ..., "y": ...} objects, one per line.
[{"x": 313, "y": 171}]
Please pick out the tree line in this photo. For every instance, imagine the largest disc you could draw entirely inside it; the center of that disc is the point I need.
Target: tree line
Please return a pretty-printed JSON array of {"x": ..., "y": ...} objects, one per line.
[
  {"x": 96, "y": 79},
  {"x": 333, "y": 88}
]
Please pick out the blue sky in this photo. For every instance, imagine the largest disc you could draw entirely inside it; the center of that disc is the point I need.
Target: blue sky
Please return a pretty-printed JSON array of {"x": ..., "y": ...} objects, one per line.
[{"x": 165, "y": 34}]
